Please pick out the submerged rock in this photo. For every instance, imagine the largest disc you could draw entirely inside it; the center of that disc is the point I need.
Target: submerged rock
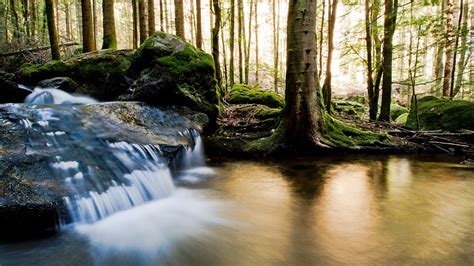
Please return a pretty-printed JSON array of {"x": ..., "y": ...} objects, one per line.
[
  {"x": 33, "y": 137},
  {"x": 435, "y": 113}
]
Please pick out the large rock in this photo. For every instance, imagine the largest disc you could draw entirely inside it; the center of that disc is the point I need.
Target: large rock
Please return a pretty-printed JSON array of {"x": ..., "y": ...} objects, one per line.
[
  {"x": 167, "y": 71},
  {"x": 31, "y": 196},
  {"x": 10, "y": 92},
  {"x": 100, "y": 74},
  {"x": 435, "y": 113},
  {"x": 243, "y": 94}
]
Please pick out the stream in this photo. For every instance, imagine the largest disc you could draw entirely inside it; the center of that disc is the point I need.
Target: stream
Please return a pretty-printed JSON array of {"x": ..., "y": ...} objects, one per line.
[{"x": 350, "y": 209}]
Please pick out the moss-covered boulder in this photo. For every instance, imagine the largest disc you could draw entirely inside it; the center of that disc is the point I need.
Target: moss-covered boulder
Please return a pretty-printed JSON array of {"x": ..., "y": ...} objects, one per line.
[
  {"x": 349, "y": 108},
  {"x": 243, "y": 94},
  {"x": 100, "y": 74},
  {"x": 397, "y": 110},
  {"x": 435, "y": 113},
  {"x": 402, "y": 119},
  {"x": 169, "y": 71}
]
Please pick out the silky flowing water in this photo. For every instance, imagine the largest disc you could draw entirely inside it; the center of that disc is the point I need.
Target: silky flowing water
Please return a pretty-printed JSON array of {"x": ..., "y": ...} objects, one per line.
[{"x": 361, "y": 210}]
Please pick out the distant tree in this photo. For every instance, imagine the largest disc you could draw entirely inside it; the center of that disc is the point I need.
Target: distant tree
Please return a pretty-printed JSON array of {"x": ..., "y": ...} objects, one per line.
[
  {"x": 142, "y": 19},
  {"x": 240, "y": 38},
  {"x": 151, "y": 17},
  {"x": 198, "y": 25},
  {"x": 87, "y": 33},
  {"x": 232, "y": 42},
  {"x": 327, "y": 90},
  {"x": 448, "y": 52},
  {"x": 110, "y": 38},
  {"x": 135, "y": 24},
  {"x": 276, "y": 38},
  {"x": 215, "y": 40},
  {"x": 179, "y": 18},
  {"x": 53, "y": 36}
]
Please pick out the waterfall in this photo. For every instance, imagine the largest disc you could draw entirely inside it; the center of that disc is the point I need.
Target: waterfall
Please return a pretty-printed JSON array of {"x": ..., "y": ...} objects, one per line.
[{"x": 103, "y": 175}]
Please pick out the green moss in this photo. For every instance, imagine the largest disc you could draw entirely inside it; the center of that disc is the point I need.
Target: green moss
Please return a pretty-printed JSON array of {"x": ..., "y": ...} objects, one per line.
[
  {"x": 339, "y": 134},
  {"x": 7, "y": 76},
  {"x": 31, "y": 73},
  {"x": 435, "y": 113},
  {"x": 397, "y": 110},
  {"x": 267, "y": 112},
  {"x": 241, "y": 93},
  {"x": 350, "y": 108},
  {"x": 187, "y": 62},
  {"x": 402, "y": 119}
]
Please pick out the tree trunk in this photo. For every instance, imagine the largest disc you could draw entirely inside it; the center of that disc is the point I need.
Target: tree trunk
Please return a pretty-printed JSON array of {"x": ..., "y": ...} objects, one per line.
[
  {"x": 110, "y": 38},
  {"x": 276, "y": 37},
  {"x": 453, "y": 72},
  {"x": 3, "y": 26},
  {"x": 135, "y": 24},
  {"x": 198, "y": 25},
  {"x": 16, "y": 23},
  {"x": 94, "y": 22},
  {"x": 53, "y": 36},
  {"x": 68, "y": 20},
  {"x": 464, "y": 45},
  {"x": 247, "y": 49},
  {"x": 224, "y": 60},
  {"x": 26, "y": 17},
  {"x": 256, "y": 42},
  {"x": 232, "y": 43},
  {"x": 327, "y": 90},
  {"x": 87, "y": 34},
  {"x": 373, "y": 103},
  {"x": 33, "y": 18},
  {"x": 167, "y": 21},
  {"x": 390, "y": 20},
  {"x": 162, "y": 18},
  {"x": 215, "y": 40},
  {"x": 448, "y": 53},
  {"x": 179, "y": 19},
  {"x": 142, "y": 18},
  {"x": 240, "y": 35},
  {"x": 440, "y": 44},
  {"x": 302, "y": 113},
  {"x": 321, "y": 38},
  {"x": 151, "y": 17}
]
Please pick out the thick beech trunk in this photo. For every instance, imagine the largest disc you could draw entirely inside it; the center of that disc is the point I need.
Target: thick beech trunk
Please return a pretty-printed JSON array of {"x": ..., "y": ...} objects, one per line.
[{"x": 87, "y": 31}]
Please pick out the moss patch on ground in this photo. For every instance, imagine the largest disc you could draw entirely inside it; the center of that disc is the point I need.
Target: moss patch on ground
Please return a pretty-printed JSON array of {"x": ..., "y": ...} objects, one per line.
[
  {"x": 435, "y": 113},
  {"x": 242, "y": 94}
]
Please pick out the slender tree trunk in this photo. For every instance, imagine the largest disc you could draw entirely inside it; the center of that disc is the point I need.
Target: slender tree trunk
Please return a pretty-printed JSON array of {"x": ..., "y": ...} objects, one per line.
[
  {"x": 215, "y": 40},
  {"x": 321, "y": 38},
  {"x": 373, "y": 103},
  {"x": 302, "y": 114},
  {"x": 453, "y": 72},
  {"x": 53, "y": 36},
  {"x": 94, "y": 22},
  {"x": 179, "y": 19},
  {"x": 276, "y": 39},
  {"x": 56, "y": 9},
  {"x": 16, "y": 23},
  {"x": 240, "y": 38},
  {"x": 162, "y": 18},
  {"x": 464, "y": 46},
  {"x": 224, "y": 60},
  {"x": 198, "y": 25},
  {"x": 142, "y": 18},
  {"x": 256, "y": 43},
  {"x": 151, "y": 17},
  {"x": 33, "y": 19},
  {"x": 110, "y": 38},
  {"x": 232, "y": 43},
  {"x": 26, "y": 17},
  {"x": 440, "y": 44},
  {"x": 192, "y": 21},
  {"x": 68, "y": 20},
  {"x": 448, "y": 53},
  {"x": 3, "y": 26},
  {"x": 247, "y": 49},
  {"x": 327, "y": 90},
  {"x": 87, "y": 35},
  {"x": 135, "y": 24},
  {"x": 390, "y": 20},
  {"x": 375, "y": 35},
  {"x": 167, "y": 20}
]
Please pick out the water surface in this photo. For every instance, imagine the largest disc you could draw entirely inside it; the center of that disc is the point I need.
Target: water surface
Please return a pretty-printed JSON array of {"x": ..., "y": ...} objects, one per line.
[{"x": 329, "y": 210}]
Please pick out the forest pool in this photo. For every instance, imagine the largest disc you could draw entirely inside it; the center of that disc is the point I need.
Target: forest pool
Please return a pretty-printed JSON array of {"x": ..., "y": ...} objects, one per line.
[{"x": 347, "y": 209}]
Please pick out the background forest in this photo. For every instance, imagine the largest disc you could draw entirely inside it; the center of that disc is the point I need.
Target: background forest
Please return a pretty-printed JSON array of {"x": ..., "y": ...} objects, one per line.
[{"x": 432, "y": 39}]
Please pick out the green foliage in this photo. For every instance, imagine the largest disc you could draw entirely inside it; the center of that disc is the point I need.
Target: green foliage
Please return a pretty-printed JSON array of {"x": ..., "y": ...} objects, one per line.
[
  {"x": 241, "y": 93},
  {"x": 402, "y": 119},
  {"x": 435, "y": 113},
  {"x": 397, "y": 110}
]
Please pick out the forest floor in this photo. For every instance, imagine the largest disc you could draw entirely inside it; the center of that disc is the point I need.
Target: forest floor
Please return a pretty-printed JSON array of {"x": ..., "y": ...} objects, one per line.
[{"x": 244, "y": 122}]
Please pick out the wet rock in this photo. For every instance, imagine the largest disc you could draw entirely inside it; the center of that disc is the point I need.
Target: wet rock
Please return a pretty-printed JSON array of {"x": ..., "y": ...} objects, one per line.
[
  {"x": 10, "y": 92},
  {"x": 60, "y": 83},
  {"x": 31, "y": 195}
]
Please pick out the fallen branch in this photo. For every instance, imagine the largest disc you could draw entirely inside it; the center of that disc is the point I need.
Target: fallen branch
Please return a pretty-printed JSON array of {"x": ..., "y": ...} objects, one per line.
[{"x": 37, "y": 49}]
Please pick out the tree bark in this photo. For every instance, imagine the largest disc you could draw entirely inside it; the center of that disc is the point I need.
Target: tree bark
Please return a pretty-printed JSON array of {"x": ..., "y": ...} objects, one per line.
[
  {"x": 373, "y": 103},
  {"x": 321, "y": 38},
  {"x": 135, "y": 24},
  {"x": 33, "y": 18},
  {"x": 302, "y": 114},
  {"x": 3, "y": 26},
  {"x": 256, "y": 43},
  {"x": 198, "y": 25},
  {"x": 448, "y": 53},
  {"x": 247, "y": 49},
  {"x": 53, "y": 36},
  {"x": 16, "y": 23},
  {"x": 390, "y": 20},
  {"x": 68, "y": 20},
  {"x": 142, "y": 19},
  {"x": 110, "y": 38},
  {"x": 232, "y": 43},
  {"x": 179, "y": 19},
  {"x": 453, "y": 72},
  {"x": 26, "y": 17},
  {"x": 241, "y": 28},
  {"x": 327, "y": 90},
  {"x": 87, "y": 34},
  {"x": 215, "y": 40},
  {"x": 94, "y": 22},
  {"x": 151, "y": 17},
  {"x": 162, "y": 18},
  {"x": 276, "y": 38},
  {"x": 464, "y": 46}
]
